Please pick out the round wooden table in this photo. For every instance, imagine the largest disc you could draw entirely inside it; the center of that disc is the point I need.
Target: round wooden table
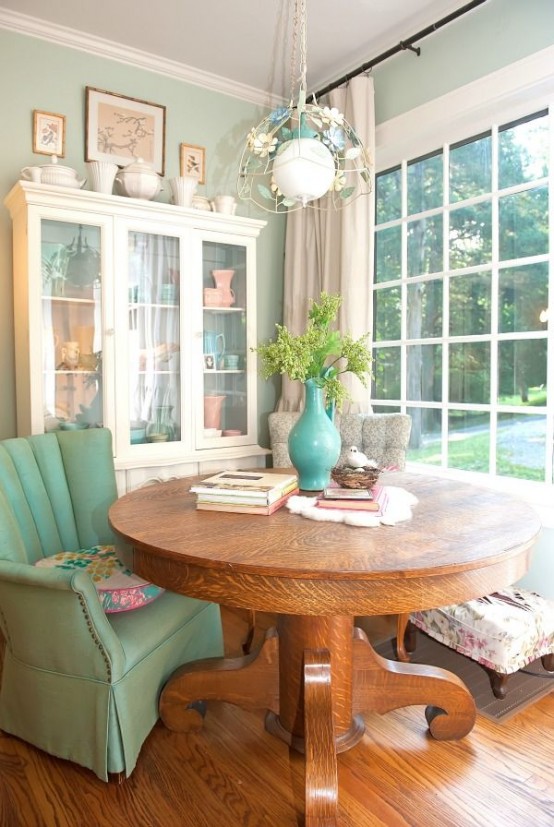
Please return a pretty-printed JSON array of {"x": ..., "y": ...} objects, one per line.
[{"x": 316, "y": 673}]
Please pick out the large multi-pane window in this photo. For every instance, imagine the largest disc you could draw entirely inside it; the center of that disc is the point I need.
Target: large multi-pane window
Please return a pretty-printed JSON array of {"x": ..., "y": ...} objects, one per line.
[{"x": 461, "y": 301}]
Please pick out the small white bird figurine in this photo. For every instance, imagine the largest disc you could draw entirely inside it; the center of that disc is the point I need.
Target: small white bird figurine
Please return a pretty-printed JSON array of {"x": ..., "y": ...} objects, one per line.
[{"x": 357, "y": 459}]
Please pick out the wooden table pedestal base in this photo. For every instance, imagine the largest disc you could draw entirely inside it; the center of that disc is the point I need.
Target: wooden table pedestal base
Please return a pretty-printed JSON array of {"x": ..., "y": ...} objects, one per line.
[{"x": 315, "y": 676}]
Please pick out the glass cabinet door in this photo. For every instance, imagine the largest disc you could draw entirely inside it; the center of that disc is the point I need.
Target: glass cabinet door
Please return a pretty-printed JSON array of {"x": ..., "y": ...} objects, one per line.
[
  {"x": 225, "y": 353},
  {"x": 154, "y": 338},
  {"x": 71, "y": 325}
]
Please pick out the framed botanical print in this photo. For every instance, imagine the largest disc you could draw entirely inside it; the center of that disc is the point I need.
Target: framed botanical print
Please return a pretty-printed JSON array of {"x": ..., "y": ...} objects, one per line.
[
  {"x": 193, "y": 162},
  {"x": 48, "y": 133},
  {"x": 120, "y": 129}
]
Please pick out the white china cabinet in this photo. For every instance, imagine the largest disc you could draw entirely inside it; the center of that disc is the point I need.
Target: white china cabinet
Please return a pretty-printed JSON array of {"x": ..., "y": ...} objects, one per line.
[{"x": 139, "y": 316}]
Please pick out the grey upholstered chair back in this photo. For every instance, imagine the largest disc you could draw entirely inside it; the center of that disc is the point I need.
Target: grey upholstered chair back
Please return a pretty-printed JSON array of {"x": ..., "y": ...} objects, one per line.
[{"x": 382, "y": 437}]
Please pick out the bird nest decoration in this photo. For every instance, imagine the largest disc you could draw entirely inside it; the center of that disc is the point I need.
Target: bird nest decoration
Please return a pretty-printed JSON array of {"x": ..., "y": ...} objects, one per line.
[{"x": 348, "y": 477}]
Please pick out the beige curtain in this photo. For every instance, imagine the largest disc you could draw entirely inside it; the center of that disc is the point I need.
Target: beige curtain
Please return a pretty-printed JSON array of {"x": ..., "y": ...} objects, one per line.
[{"x": 333, "y": 251}]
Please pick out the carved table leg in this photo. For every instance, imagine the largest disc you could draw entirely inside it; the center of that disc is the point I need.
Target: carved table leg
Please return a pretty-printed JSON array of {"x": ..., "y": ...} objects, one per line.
[
  {"x": 321, "y": 758},
  {"x": 298, "y": 633},
  {"x": 251, "y": 682},
  {"x": 381, "y": 685}
]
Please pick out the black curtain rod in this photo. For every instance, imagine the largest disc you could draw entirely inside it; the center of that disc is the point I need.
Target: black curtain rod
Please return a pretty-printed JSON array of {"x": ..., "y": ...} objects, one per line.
[{"x": 402, "y": 46}]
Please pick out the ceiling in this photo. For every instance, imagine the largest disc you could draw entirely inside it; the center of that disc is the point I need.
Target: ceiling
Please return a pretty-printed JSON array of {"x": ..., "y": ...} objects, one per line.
[{"x": 241, "y": 41}]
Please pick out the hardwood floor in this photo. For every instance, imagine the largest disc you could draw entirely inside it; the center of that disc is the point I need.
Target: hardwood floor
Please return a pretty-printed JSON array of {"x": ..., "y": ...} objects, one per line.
[{"x": 234, "y": 774}]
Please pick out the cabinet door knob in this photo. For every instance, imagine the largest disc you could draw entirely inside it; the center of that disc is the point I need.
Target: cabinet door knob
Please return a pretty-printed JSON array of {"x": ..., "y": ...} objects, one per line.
[{"x": 110, "y": 331}]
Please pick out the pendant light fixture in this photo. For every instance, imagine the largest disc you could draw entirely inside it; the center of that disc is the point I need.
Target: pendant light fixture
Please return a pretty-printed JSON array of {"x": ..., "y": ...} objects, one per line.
[{"x": 302, "y": 152}]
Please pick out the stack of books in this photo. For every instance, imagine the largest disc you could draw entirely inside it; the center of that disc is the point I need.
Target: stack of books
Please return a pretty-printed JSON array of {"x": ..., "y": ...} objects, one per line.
[
  {"x": 245, "y": 492},
  {"x": 373, "y": 500}
]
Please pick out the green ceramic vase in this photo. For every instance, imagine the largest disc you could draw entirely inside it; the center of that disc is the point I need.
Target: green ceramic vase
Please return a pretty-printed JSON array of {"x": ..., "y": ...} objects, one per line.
[{"x": 314, "y": 442}]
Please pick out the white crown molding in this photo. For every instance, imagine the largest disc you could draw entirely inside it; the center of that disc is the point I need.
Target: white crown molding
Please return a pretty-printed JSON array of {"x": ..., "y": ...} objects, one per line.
[
  {"x": 73, "y": 39},
  {"x": 508, "y": 93}
]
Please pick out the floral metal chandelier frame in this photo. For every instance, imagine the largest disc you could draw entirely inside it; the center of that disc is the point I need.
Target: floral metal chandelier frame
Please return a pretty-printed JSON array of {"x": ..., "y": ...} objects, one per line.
[{"x": 285, "y": 127}]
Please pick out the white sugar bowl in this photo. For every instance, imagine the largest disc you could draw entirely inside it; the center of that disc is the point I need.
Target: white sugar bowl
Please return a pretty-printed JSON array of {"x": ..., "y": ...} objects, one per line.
[
  {"x": 54, "y": 174},
  {"x": 139, "y": 180}
]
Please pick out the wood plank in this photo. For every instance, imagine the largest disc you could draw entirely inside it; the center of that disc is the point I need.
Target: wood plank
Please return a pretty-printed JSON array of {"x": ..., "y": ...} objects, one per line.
[{"x": 234, "y": 773}]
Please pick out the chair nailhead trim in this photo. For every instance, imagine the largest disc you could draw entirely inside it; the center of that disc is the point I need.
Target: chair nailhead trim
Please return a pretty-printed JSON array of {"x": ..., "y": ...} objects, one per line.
[{"x": 95, "y": 637}]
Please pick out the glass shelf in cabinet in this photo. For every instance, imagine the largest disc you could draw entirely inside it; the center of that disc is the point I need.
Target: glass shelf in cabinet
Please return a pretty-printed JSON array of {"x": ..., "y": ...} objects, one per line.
[
  {"x": 212, "y": 371},
  {"x": 62, "y": 371},
  {"x": 69, "y": 300},
  {"x": 152, "y": 305},
  {"x": 157, "y": 373},
  {"x": 209, "y": 309}
]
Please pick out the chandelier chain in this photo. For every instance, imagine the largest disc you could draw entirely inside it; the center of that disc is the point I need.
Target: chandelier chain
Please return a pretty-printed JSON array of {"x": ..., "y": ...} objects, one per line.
[{"x": 299, "y": 62}]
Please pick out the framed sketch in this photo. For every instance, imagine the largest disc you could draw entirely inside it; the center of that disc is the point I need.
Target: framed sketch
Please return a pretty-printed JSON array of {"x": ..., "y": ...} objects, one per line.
[
  {"x": 193, "y": 162},
  {"x": 120, "y": 129},
  {"x": 48, "y": 133},
  {"x": 209, "y": 361}
]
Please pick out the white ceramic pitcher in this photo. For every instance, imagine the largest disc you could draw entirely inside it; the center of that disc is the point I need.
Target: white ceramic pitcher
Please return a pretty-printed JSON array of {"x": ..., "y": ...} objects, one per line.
[
  {"x": 102, "y": 175},
  {"x": 182, "y": 190}
]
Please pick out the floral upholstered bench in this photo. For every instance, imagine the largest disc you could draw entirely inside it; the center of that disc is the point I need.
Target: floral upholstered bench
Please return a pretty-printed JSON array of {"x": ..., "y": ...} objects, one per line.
[{"x": 504, "y": 632}]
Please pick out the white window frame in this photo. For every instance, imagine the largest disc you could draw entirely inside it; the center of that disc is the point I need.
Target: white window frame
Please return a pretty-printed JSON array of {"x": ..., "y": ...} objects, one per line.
[{"x": 513, "y": 92}]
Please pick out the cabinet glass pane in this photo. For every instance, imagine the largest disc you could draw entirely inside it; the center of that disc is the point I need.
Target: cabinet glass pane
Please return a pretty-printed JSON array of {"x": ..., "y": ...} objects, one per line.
[
  {"x": 224, "y": 300},
  {"x": 72, "y": 326},
  {"x": 154, "y": 336}
]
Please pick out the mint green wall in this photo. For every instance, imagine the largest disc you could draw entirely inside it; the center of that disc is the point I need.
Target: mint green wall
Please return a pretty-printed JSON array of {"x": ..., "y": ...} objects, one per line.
[
  {"x": 493, "y": 35},
  {"x": 40, "y": 75}
]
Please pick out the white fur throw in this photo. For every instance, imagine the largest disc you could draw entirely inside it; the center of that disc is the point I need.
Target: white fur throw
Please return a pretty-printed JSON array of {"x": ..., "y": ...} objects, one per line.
[{"x": 398, "y": 509}]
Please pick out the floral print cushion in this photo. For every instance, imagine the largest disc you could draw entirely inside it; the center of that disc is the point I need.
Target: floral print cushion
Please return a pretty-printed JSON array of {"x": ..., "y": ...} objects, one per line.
[
  {"x": 118, "y": 588},
  {"x": 503, "y": 631}
]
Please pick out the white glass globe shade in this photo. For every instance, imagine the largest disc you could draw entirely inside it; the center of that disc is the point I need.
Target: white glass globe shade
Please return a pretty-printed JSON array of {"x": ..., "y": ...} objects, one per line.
[{"x": 304, "y": 170}]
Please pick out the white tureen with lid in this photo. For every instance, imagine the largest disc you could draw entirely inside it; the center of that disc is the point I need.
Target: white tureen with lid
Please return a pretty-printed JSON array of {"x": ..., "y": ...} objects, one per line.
[{"x": 139, "y": 180}]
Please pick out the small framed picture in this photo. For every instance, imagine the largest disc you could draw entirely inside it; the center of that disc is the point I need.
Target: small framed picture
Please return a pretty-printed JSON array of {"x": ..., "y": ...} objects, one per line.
[
  {"x": 120, "y": 129},
  {"x": 48, "y": 133},
  {"x": 209, "y": 361},
  {"x": 193, "y": 162}
]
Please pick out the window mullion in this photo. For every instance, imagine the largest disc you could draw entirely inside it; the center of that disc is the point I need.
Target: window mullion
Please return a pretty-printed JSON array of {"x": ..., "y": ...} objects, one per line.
[
  {"x": 446, "y": 302},
  {"x": 404, "y": 289},
  {"x": 550, "y": 344},
  {"x": 495, "y": 255}
]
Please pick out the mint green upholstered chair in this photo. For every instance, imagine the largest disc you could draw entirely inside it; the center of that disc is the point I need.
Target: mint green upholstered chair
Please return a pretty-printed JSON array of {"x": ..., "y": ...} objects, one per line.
[{"x": 77, "y": 682}]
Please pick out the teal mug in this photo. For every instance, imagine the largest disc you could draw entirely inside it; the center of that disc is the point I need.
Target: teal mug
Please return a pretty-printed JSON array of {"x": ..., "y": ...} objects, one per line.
[{"x": 231, "y": 361}]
